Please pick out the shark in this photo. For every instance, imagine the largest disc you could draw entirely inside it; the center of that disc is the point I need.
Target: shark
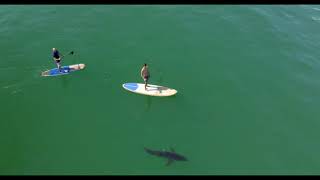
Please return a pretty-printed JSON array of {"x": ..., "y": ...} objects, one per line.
[{"x": 170, "y": 155}]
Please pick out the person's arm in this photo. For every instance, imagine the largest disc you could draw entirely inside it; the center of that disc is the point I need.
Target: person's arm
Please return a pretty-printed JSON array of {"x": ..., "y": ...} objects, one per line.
[
  {"x": 141, "y": 74},
  {"x": 60, "y": 55},
  {"x": 54, "y": 58}
]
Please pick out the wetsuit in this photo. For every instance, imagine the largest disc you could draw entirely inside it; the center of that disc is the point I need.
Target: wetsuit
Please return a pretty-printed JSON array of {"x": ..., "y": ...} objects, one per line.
[{"x": 56, "y": 56}]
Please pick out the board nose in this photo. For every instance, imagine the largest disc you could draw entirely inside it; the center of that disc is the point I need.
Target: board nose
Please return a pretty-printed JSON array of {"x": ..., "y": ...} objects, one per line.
[
  {"x": 130, "y": 86},
  {"x": 82, "y": 66}
]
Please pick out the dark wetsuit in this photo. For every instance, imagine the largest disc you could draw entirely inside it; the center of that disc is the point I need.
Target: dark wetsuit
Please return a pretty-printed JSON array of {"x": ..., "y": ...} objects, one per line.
[{"x": 56, "y": 55}]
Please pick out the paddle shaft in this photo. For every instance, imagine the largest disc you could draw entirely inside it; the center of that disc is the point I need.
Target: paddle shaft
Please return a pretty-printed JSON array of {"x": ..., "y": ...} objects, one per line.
[{"x": 71, "y": 52}]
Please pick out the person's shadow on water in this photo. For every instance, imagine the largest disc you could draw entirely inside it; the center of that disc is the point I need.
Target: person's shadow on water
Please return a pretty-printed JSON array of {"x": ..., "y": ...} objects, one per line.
[
  {"x": 149, "y": 98},
  {"x": 148, "y": 103},
  {"x": 65, "y": 81}
]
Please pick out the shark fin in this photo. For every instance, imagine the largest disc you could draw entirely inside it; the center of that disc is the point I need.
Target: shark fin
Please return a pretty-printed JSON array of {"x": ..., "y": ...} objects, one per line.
[
  {"x": 170, "y": 161},
  {"x": 172, "y": 150}
]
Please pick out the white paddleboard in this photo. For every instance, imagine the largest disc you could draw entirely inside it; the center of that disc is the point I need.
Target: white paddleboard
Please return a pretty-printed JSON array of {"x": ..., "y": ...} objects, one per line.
[{"x": 152, "y": 90}]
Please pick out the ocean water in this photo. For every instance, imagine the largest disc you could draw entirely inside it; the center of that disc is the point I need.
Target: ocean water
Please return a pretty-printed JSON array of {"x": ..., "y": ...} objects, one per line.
[{"x": 247, "y": 78}]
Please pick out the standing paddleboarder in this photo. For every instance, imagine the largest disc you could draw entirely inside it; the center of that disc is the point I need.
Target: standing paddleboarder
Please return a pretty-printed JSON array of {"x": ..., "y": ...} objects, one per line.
[{"x": 145, "y": 75}]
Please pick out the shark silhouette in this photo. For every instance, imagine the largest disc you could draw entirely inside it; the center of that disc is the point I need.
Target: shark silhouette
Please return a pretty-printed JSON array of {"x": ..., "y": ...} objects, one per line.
[{"x": 170, "y": 155}]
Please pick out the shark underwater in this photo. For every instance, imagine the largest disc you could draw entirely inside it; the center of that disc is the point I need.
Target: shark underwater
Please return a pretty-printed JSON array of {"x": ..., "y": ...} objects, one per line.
[{"x": 170, "y": 155}]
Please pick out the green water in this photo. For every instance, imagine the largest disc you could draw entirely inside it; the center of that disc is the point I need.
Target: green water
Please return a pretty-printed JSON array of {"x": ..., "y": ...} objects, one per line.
[{"x": 247, "y": 80}]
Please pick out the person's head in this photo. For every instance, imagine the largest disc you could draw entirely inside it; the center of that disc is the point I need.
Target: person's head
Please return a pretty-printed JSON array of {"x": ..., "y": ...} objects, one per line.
[
  {"x": 54, "y": 49},
  {"x": 145, "y": 65}
]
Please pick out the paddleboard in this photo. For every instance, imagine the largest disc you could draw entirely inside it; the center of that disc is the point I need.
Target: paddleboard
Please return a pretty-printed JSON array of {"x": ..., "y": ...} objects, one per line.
[
  {"x": 63, "y": 70},
  {"x": 152, "y": 90}
]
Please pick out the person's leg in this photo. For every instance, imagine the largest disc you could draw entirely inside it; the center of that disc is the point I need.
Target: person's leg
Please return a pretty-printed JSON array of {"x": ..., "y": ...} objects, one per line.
[
  {"x": 58, "y": 65},
  {"x": 145, "y": 83}
]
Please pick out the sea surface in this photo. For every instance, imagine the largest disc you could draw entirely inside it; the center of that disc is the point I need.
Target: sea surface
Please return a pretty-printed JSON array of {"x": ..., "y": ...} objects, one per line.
[{"x": 247, "y": 76}]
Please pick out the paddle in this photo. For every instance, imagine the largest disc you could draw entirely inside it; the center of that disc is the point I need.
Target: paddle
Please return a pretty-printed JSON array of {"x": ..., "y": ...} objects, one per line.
[
  {"x": 65, "y": 55},
  {"x": 68, "y": 54}
]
